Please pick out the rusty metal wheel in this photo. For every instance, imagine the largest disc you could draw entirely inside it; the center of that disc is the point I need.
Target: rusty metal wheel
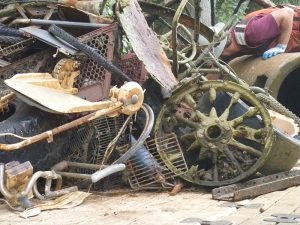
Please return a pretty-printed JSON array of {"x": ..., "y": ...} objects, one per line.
[{"x": 224, "y": 140}]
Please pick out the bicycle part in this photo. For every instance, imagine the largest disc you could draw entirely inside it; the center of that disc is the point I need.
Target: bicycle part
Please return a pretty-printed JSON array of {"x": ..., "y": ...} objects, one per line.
[
  {"x": 88, "y": 51},
  {"x": 223, "y": 140}
]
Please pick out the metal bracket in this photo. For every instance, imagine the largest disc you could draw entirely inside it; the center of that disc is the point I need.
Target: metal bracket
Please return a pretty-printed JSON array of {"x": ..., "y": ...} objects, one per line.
[{"x": 283, "y": 218}]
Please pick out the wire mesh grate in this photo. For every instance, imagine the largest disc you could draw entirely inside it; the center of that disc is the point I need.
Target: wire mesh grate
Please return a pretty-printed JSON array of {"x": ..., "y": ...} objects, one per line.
[
  {"x": 88, "y": 143},
  {"x": 155, "y": 164}
]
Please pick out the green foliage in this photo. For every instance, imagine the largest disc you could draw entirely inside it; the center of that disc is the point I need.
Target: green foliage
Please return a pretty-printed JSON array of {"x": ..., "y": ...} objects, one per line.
[
  {"x": 108, "y": 9},
  {"x": 224, "y": 10},
  {"x": 291, "y": 2},
  {"x": 127, "y": 48}
]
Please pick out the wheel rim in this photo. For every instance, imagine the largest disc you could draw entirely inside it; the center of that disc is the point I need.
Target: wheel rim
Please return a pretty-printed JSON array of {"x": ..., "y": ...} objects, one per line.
[{"x": 222, "y": 139}]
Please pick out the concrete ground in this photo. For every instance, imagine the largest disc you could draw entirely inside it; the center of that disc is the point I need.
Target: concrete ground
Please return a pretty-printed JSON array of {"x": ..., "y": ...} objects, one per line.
[{"x": 189, "y": 207}]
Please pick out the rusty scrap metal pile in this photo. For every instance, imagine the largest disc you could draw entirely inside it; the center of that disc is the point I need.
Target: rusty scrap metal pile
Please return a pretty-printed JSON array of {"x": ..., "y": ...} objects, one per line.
[{"x": 77, "y": 111}]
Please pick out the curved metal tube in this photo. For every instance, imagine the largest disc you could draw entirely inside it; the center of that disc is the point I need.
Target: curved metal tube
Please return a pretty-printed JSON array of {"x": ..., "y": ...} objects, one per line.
[
  {"x": 107, "y": 171},
  {"x": 174, "y": 35},
  {"x": 3, "y": 189},
  {"x": 60, "y": 166},
  {"x": 45, "y": 174},
  {"x": 143, "y": 137}
]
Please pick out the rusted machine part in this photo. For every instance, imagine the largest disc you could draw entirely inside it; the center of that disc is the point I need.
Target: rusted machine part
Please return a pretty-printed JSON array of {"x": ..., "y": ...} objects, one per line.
[
  {"x": 49, "y": 134},
  {"x": 129, "y": 99},
  {"x": 268, "y": 73},
  {"x": 174, "y": 35},
  {"x": 157, "y": 10},
  {"x": 256, "y": 187},
  {"x": 66, "y": 70},
  {"x": 233, "y": 143},
  {"x": 156, "y": 61}
]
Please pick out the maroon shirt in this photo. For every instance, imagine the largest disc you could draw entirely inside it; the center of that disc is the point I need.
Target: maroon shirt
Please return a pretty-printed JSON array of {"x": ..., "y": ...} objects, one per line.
[{"x": 260, "y": 29}]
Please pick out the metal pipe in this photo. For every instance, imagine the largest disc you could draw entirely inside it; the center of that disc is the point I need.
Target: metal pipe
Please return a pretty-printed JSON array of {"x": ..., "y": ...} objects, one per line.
[
  {"x": 35, "y": 176},
  {"x": 59, "y": 23},
  {"x": 52, "y": 194},
  {"x": 257, "y": 90},
  {"x": 65, "y": 164},
  {"x": 36, "y": 193},
  {"x": 174, "y": 36},
  {"x": 107, "y": 171},
  {"x": 3, "y": 189},
  {"x": 74, "y": 175},
  {"x": 67, "y": 126}
]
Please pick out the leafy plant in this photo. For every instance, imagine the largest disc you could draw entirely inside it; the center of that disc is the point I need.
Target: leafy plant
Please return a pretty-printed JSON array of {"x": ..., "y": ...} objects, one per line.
[{"x": 225, "y": 9}]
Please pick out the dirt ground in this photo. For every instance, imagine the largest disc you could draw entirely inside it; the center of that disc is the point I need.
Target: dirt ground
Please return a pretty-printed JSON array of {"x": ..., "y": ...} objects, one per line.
[{"x": 190, "y": 206}]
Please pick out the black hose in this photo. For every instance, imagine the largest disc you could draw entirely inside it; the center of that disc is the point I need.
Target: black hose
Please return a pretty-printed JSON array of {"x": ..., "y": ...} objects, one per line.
[
  {"x": 10, "y": 31},
  {"x": 88, "y": 51},
  {"x": 10, "y": 40}
]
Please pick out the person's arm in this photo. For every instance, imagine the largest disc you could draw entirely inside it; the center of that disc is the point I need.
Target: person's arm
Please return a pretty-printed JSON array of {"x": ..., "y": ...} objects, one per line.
[{"x": 284, "y": 20}]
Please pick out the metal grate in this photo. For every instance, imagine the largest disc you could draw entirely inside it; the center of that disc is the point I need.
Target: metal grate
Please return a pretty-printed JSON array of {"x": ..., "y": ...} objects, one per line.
[
  {"x": 91, "y": 72},
  {"x": 15, "y": 47},
  {"x": 88, "y": 144},
  {"x": 133, "y": 67},
  {"x": 93, "y": 78},
  {"x": 155, "y": 164}
]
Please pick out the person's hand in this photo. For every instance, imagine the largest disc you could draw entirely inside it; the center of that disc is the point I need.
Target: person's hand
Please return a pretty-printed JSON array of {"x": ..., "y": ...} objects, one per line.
[{"x": 279, "y": 48}]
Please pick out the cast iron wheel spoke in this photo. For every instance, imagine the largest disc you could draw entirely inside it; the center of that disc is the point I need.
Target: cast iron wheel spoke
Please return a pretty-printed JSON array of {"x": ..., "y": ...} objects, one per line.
[
  {"x": 215, "y": 167},
  {"x": 186, "y": 121},
  {"x": 230, "y": 156},
  {"x": 194, "y": 145},
  {"x": 198, "y": 116},
  {"x": 252, "y": 112},
  {"x": 213, "y": 112},
  {"x": 212, "y": 95},
  {"x": 248, "y": 133},
  {"x": 233, "y": 100},
  {"x": 245, "y": 148},
  {"x": 202, "y": 153}
]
